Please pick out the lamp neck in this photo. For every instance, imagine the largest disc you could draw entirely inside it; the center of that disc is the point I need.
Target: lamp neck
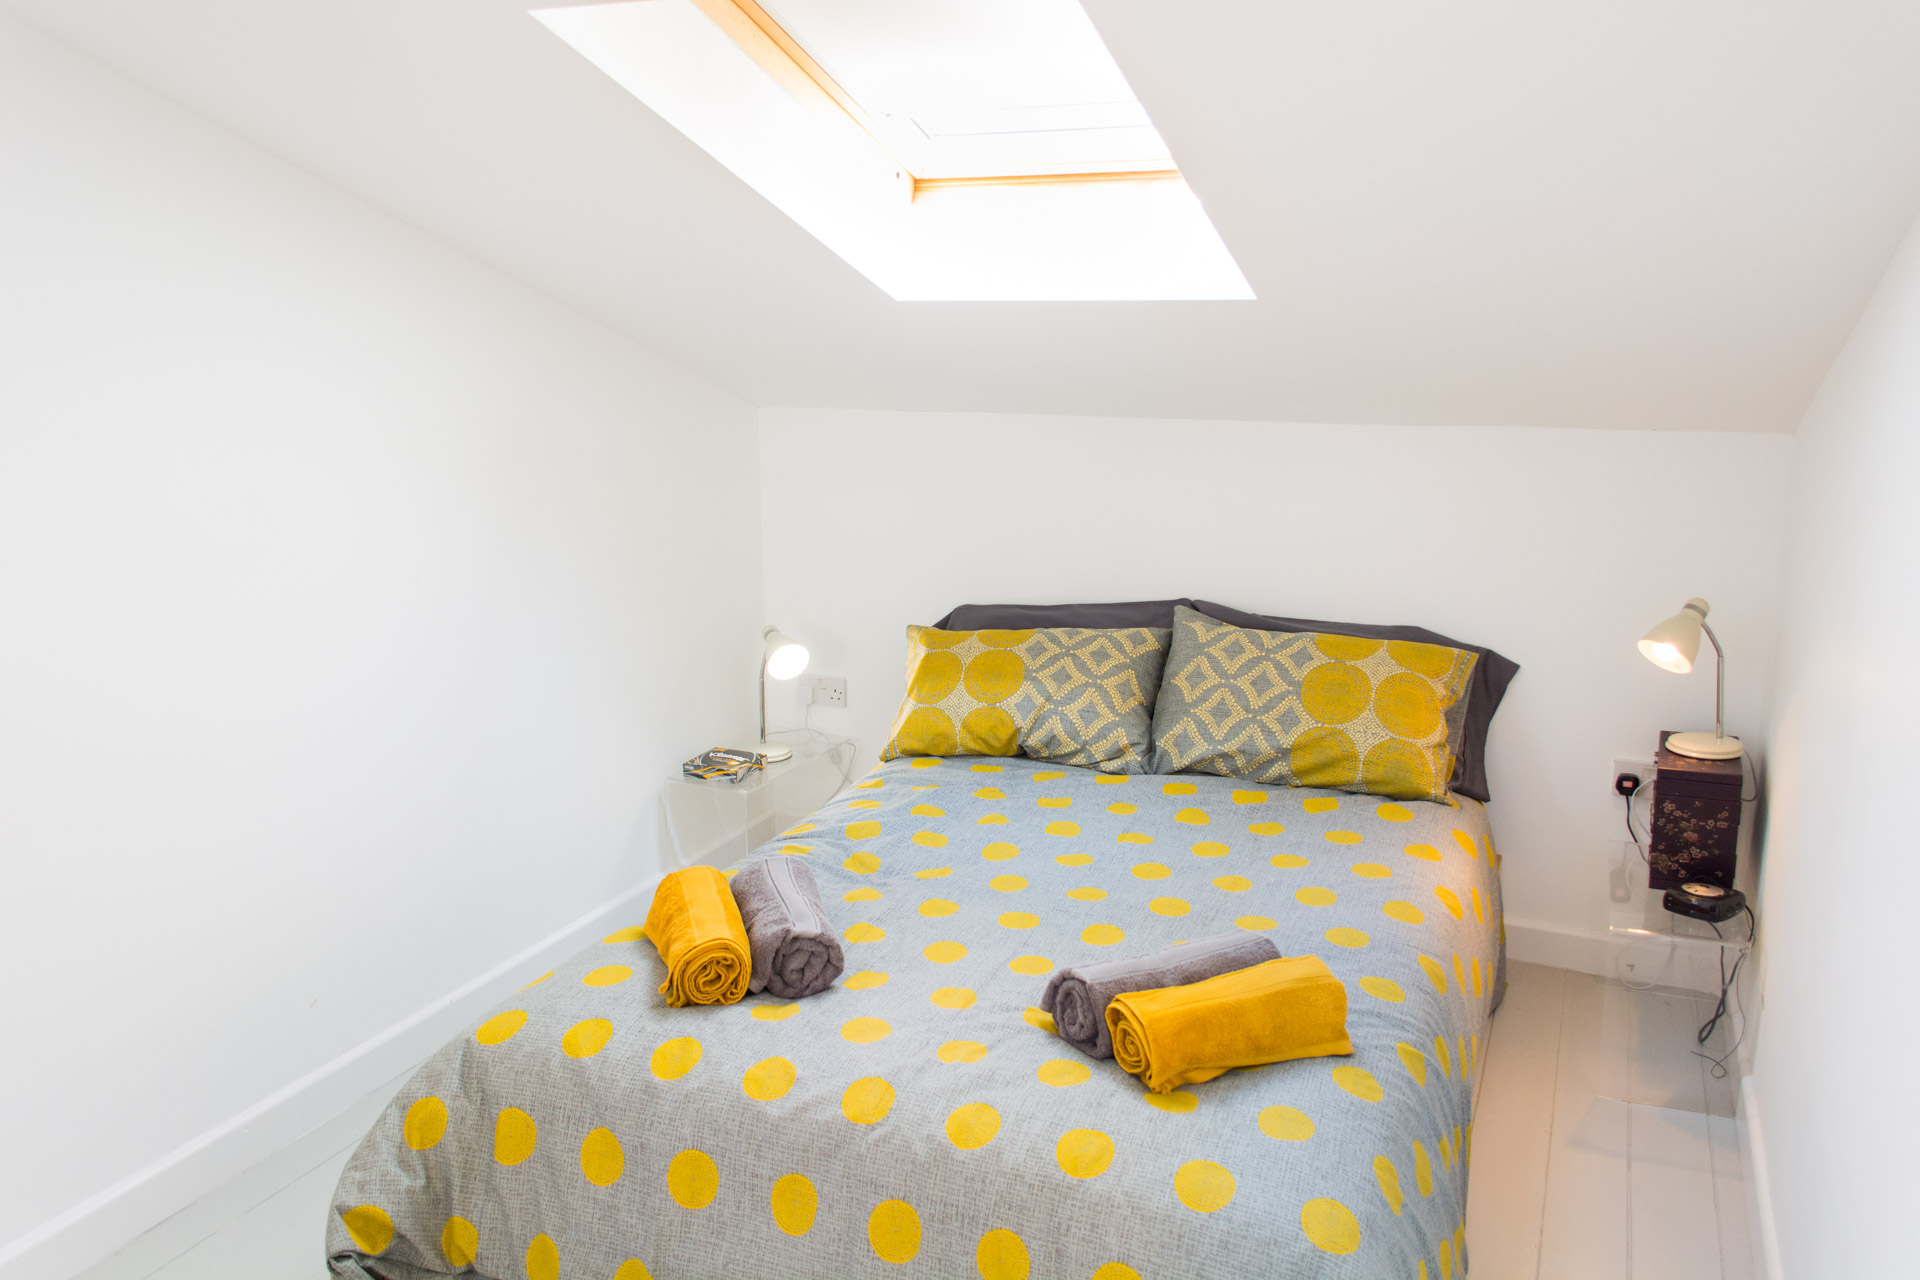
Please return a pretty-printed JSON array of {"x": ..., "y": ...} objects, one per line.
[{"x": 1719, "y": 683}]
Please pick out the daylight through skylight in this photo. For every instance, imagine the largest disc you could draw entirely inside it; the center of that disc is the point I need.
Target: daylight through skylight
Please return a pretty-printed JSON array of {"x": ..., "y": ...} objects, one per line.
[{"x": 947, "y": 149}]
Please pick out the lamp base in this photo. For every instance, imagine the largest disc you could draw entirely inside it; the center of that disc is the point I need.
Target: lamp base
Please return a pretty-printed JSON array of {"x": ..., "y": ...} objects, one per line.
[
  {"x": 773, "y": 752},
  {"x": 1705, "y": 746}
]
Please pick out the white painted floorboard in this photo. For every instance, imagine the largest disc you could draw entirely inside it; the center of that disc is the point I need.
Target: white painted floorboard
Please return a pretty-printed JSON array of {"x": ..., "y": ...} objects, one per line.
[
  {"x": 1602, "y": 1148},
  {"x": 265, "y": 1223}
]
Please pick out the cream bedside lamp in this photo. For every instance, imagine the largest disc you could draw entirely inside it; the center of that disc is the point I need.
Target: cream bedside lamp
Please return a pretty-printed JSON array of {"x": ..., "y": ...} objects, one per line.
[
  {"x": 783, "y": 659},
  {"x": 1671, "y": 646}
]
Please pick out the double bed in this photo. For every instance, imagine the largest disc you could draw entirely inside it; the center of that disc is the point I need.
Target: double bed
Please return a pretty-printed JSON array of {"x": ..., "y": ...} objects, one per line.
[{"x": 920, "y": 1117}]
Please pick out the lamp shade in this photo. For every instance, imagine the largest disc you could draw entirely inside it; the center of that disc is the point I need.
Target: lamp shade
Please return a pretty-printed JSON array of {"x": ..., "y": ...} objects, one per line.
[
  {"x": 785, "y": 656},
  {"x": 1672, "y": 644}
]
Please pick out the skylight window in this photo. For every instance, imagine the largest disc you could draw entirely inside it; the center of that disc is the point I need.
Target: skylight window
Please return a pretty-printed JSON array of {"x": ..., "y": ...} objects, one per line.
[{"x": 947, "y": 149}]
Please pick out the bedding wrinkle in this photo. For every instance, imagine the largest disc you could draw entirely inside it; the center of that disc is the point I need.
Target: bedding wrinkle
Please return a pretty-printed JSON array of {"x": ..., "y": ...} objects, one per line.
[
  {"x": 1273, "y": 1012},
  {"x": 695, "y": 925}
]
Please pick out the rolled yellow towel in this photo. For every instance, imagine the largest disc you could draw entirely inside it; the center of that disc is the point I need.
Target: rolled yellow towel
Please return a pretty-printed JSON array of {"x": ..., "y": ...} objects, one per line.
[
  {"x": 1271, "y": 1012},
  {"x": 695, "y": 924}
]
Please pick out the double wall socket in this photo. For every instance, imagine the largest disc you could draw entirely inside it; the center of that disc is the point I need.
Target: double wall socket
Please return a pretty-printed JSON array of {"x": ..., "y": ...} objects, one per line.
[{"x": 827, "y": 691}]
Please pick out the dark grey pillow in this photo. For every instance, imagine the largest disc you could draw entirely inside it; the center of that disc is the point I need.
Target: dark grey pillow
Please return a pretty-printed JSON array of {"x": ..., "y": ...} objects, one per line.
[
  {"x": 1101, "y": 617},
  {"x": 1491, "y": 674}
]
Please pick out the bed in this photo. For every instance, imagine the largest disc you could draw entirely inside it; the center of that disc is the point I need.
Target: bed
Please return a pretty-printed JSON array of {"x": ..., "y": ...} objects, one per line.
[{"x": 921, "y": 1118}]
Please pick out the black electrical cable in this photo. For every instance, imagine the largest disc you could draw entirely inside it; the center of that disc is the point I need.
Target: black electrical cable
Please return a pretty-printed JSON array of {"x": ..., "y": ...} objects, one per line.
[
  {"x": 1727, "y": 980},
  {"x": 1631, "y": 833}
]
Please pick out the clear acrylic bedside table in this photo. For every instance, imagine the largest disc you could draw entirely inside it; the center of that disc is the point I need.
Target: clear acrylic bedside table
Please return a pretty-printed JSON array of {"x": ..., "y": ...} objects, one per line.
[
  {"x": 715, "y": 822},
  {"x": 1651, "y": 944}
]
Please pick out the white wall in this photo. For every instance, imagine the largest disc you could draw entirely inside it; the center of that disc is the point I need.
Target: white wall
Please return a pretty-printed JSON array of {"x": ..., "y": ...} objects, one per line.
[
  {"x": 346, "y": 632},
  {"x": 1832, "y": 1077},
  {"x": 1558, "y": 548}
]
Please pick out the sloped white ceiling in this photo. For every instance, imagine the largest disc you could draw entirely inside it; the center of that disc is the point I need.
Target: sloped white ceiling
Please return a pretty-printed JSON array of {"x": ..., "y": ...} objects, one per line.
[{"x": 1655, "y": 214}]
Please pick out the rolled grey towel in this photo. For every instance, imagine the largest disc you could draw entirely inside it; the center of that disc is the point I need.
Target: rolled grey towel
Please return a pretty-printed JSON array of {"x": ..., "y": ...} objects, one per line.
[
  {"x": 795, "y": 951},
  {"x": 1078, "y": 997}
]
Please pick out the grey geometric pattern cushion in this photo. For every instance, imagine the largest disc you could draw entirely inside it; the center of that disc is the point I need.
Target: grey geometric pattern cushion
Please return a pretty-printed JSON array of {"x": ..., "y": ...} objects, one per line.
[
  {"x": 1066, "y": 695},
  {"x": 1346, "y": 712}
]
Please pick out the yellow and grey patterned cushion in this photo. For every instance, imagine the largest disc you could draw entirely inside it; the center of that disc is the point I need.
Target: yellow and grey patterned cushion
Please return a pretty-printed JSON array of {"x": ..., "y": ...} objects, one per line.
[
  {"x": 1311, "y": 710},
  {"x": 1068, "y": 695}
]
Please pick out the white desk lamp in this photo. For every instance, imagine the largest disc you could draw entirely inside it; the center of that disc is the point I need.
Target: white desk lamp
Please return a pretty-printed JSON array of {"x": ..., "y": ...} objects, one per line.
[
  {"x": 1671, "y": 646},
  {"x": 783, "y": 659}
]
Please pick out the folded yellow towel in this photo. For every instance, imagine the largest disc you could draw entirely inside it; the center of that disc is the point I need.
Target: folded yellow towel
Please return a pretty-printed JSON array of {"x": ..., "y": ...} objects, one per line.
[
  {"x": 695, "y": 924},
  {"x": 1271, "y": 1012}
]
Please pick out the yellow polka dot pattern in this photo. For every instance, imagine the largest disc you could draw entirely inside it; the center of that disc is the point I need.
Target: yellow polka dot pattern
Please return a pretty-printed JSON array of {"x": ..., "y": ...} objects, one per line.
[
  {"x": 1414, "y": 880},
  {"x": 459, "y": 1241},
  {"x": 602, "y": 1160},
  {"x": 608, "y": 975},
  {"x": 369, "y": 1227},
  {"x": 584, "y": 1039},
  {"x": 962, "y": 1051},
  {"x": 502, "y": 1027},
  {"x": 676, "y": 1057},
  {"x": 514, "y": 1136},
  {"x": 893, "y": 1230},
  {"x": 1083, "y": 1153},
  {"x": 1286, "y": 1124},
  {"x": 1063, "y": 1072},
  {"x": 1002, "y": 1255},
  {"x": 973, "y": 1126},
  {"x": 1203, "y": 1186},
  {"x": 1311, "y": 710},
  {"x": 768, "y": 1079},
  {"x": 693, "y": 1179},
  {"x": 1070, "y": 696},
  {"x": 795, "y": 1204},
  {"x": 867, "y": 1100},
  {"x": 424, "y": 1126},
  {"x": 1330, "y": 1225}
]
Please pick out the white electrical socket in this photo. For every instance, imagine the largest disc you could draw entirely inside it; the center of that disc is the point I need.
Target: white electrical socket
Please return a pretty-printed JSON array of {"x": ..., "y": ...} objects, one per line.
[{"x": 828, "y": 691}]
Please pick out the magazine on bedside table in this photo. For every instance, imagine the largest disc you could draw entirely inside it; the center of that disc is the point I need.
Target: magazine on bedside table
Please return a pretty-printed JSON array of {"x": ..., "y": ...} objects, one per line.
[{"x": 724, "y": 762}]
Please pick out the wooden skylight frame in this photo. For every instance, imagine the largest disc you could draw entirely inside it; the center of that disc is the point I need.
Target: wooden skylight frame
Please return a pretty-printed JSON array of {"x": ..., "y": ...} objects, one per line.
[{"x": 782, "y": 57}]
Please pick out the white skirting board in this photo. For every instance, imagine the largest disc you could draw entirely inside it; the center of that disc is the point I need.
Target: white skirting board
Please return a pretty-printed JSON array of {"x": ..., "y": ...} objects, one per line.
[
  {"x": 1687, "y": 968},
  {"x": 98, "y": 1226},
  {"x": 1753, "y": 1151},
  {"x": 1535, "y": 942}
]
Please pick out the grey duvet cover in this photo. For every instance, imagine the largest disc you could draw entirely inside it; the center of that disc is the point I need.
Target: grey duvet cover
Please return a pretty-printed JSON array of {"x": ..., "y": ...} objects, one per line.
[{"x": 920, "y": 1117}]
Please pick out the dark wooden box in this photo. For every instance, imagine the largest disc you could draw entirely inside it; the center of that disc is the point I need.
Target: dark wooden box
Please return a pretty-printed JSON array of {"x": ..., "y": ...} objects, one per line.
[{"x": 1696, "y": 819}]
